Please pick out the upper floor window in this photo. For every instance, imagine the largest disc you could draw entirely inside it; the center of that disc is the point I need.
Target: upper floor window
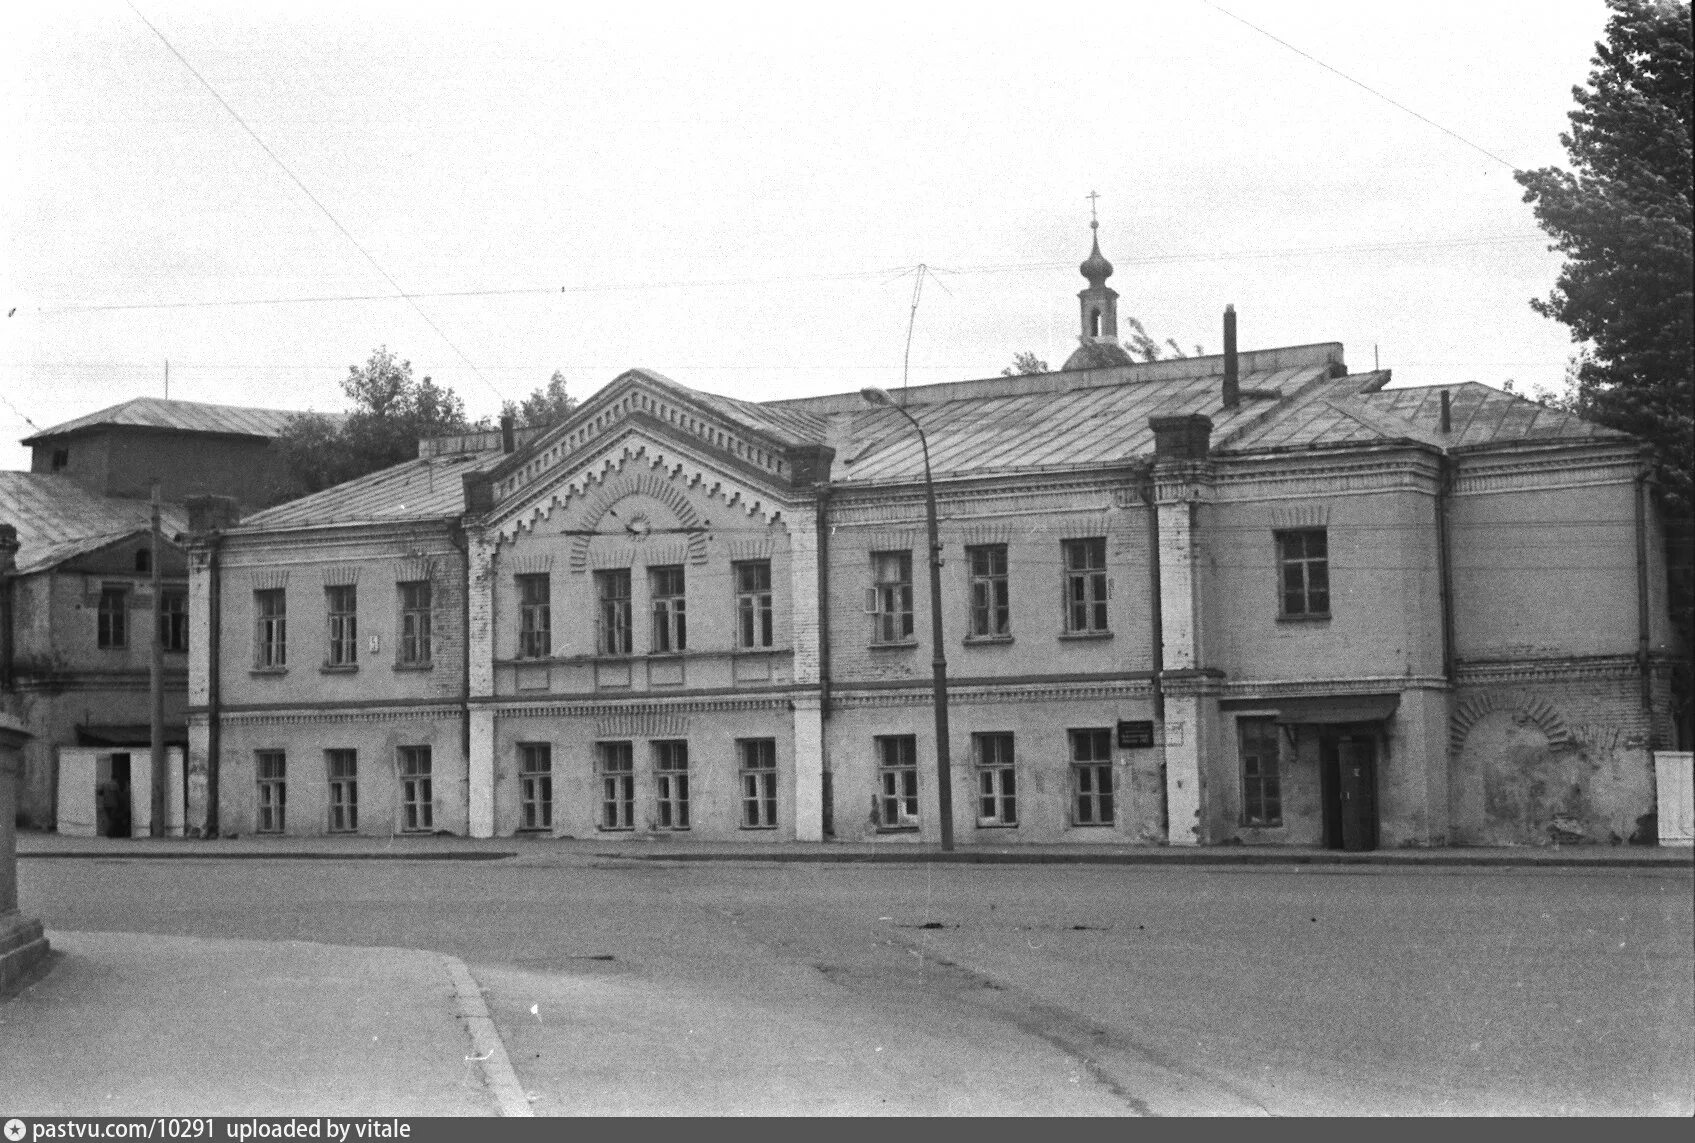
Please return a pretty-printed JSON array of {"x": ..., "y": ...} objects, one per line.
[
  {"x": 61, "y": 459},
  {"x": 612, "y": 621},
  {"x": 270, "y": 629},
  {"x": 1262, "y": 795},
  {"x": 342, "y": 605},
  {"x": 891, "y": 597},
  {"x": 753, "y": 603},
  {"x": 1085, "y": 585},
  {"x": 991, "y": 605},
  {"x": 112, "y": 619},
  {"x": 670, "y": 622},
  {"x": 416, "y": 622},
  {"x": 535, "y": 616},
  {"x": 1303, "y": 559},
  {"x": 143, "y": 560},
  {"x": 173, "y": 620}
]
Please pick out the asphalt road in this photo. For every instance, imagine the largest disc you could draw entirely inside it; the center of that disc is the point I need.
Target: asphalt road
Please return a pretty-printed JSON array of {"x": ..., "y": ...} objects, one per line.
[{"x": 628, "y": 985}]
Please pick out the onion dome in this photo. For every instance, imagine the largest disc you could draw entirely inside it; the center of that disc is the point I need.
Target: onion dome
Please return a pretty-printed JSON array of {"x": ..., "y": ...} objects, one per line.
[{"x": 1096, "y": 268}]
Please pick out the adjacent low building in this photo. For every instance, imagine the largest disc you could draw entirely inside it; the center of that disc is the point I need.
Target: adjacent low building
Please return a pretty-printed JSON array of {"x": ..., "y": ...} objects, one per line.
[{"x": 1252, "y": 597}]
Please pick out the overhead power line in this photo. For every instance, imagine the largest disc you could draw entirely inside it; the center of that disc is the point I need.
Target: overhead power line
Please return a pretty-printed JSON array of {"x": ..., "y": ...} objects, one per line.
[
  {"x": 304, "y": 189},
  {"x": 1363, "y": 87},
  {"x": 769, "y": 279}
]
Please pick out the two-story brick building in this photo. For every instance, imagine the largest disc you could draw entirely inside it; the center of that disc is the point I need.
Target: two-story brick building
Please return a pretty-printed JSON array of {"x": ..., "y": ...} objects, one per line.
[{"x": 1251, "y": 596}]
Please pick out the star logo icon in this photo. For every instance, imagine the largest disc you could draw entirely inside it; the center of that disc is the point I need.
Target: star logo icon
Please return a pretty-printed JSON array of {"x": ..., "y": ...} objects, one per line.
[{"x": 14, "y": 1130}]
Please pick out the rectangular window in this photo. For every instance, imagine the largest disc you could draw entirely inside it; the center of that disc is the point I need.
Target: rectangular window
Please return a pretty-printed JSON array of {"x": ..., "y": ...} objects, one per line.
[
  {"x": 1091, "y": 777},
  {"x": 535, "y": 616},
  {"x": 270, "y": 634},
  {"x": 671, "y": 777},
  {"x": 173, "y": 620},
  {"x": 343, "y": 768},
  {"x": 112, "y": 620},
  {"x": 535, "y": 785},
  {"x": 753, "y": 603},
  {"x": 891, "y": 597},
  {"x": 416, "y": 622},
  {"x": 991, "y": 607},
  {"x": 616, "y": 763},
  {"x": 612, "y": 621},
  {"x": 417, "y": 790},
  {"x": 670, "y": 623},
  {"x": 759, "y": 782},
  {"x": 1085, "y": 585},
  {"x": 1303, "y": 560},
  {"x": 342, "y": 604},
  {"x": 897, "y": 780},
  {"x": 270, "y": 769},
  {"x": 997, "y": 780},
  {"x": 1262, "y": 794}
]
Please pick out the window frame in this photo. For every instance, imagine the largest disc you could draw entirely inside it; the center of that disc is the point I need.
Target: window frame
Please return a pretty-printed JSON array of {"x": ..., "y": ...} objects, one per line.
[
  {"x": 341, "y": 610},
  {"x": 111, "y": 619},
  {"x": 671, "y": 784},
  {"x": 270, "y": 779},
  {"x": 1094, "y": 802},
  {"x": 535, "y": 786},
  {"x": 755, "y": 620},
  {"x": 415, "y": 766},
  {"x": 614, "y": 613},
  {"x": 535, "y": 615},
  {"x": 898, "y": 789},
  {"x": 667, "y": 593},
  {"x": 1088, "y": 589},
  {"x": 343, "y": 787},
  {"x": 1295, "y": 555},
  {"x": 757, "y": 778},
  {"x": 270, "y": 629},
  {"x": 173, "y": 619},
  {"x": 995, "y": 761},
  {"x": 415, "y": 647},
  {"x": 990, "y": 592},
  {"x": 892, "y": 620},
  {"x": 1260, "y": 789},
  {"x": 615, "y": 767}
]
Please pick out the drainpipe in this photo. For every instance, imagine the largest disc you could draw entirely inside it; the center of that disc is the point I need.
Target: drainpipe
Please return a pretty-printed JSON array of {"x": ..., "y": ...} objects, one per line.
[
  {"x": 1642, "y": 590},
  {"x": 823, "y": 526},
  {"x": 1444, "y": 557},
  {"x": 214, "y": 670},
  {"x": 456, "y": 536},
  {"x": 1154, "y": 614}
]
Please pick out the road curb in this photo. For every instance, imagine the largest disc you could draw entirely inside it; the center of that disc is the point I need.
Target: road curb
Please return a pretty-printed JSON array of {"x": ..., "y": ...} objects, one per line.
[
  {"x": 1168, "y": 857},
  {"x": 488, "y": 1052}
]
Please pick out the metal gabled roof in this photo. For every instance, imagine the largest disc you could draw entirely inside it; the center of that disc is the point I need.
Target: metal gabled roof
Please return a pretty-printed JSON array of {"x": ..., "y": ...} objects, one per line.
[
  {"x": 58, "y": 519},
  {"x": 183, "y": 416},
  {"x": 428, "y": 488}
]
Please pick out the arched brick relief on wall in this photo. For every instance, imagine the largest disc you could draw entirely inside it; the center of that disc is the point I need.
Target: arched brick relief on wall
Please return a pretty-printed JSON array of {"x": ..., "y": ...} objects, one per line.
[
  {"x": 1539, "y": 712},
  {"x": 598, "y": 503}
]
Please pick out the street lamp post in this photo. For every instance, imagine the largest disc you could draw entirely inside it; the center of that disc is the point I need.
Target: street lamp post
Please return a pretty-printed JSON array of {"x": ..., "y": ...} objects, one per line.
[{"x": 938, "y": 661}]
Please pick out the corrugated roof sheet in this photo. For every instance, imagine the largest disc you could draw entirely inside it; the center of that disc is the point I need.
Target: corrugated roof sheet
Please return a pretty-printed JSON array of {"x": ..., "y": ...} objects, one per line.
[
  {"x": 186, "y": 416},
  {"x": 58, "y": 518},
  {"x": 428, "y": 488}
]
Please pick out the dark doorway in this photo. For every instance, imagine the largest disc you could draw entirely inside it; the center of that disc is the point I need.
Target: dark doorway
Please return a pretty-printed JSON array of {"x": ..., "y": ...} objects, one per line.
[
  {"x": 1347, "y": 759},
  {"x": 113, "y": 798}
]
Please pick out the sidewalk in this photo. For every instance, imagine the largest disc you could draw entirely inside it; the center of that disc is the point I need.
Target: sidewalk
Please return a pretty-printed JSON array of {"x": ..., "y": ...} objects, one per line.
[
  {"x": 670, "y": 847},
  {"x": 130, "y": 1024}
]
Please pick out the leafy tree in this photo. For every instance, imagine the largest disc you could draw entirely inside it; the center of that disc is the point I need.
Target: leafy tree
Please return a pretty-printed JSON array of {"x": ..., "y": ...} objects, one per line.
[
  {"x": 1143, "y": 347},
  {"x": 545, "y": 406},
  {"x": 1622, "y": 217},
  {"x": 1102, "y": 354},
  {"x": 391, "y": 412},
  {"x": 1023, "y": 364}
]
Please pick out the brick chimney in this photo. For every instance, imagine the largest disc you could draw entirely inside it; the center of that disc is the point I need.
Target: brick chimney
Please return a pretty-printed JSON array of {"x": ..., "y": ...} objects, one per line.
[
  {"x": 1186, "y": 436},
  {"x": 208, "y": 514},
  {"x": 1232, "y": 378}
]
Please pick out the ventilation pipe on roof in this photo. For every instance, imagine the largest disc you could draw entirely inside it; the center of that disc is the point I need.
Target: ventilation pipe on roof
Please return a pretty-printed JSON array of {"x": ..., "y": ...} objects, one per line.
[
  {"x": 1232, "y": 379},
  {"x": 508, "y": 433},
  {"x": 1447, "y": 414}
]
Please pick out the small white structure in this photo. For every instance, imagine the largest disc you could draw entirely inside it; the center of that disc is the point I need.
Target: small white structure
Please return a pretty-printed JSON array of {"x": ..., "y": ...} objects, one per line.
[
  {"x": 83, "y": 771},
  {"x": 1674, "y": 774}
]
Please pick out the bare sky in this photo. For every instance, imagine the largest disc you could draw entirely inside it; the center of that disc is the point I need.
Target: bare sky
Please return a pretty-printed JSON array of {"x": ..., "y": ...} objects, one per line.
[{"x": 729, "y": 194}]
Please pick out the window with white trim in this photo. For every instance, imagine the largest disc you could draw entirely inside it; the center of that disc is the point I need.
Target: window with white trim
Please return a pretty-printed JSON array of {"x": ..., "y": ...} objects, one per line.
[
  {"x": 535, "y": 785},
  {"x": 342, "y": 605},
  {"x": 417, "y": 790},
  {"x": 343, "y": 768},
  {"x": 759, "y": 782},
  {"x": 270, "y": 631},
  {"x": 1085, "y": 586},
  {"x": 1262, "y": 793},
  {"x": 270, "y": 771},
  {"x": 535, "y": 616},
  {"x": 616, "y": 767},
  {"x": 112, "y": 618},
  {"x": 670, "y": 617},
  {"x": 997, "y": 780},
  {"x": 897, "y": 781},
  {"x": 991, "y": 601},
  {"x": 753, "y": 603},
  {"x": 1092, "y": 793},
  {"x": 612, "y": 622},
  {"x": 416, "y": 622},
  {"x": 891, "y": 597},
  {"x": 671, "y": 782},
  {"x": 1303, "y": 561}
]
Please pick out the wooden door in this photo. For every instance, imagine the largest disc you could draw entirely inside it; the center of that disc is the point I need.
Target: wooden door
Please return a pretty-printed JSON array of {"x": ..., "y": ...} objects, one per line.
[{"x": 1357, "y": 785}]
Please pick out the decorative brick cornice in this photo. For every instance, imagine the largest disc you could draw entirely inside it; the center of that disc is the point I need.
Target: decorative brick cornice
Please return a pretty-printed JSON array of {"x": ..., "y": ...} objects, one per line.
[
  {"x": 305, "y": 717},
  {"x": 1318, "y": 688},
  {"x": 921, "y": 695},
  {"x": 655, "y": 712},
  {"x": 1278, "y": 478},
  {"x": 1572, "y": 669},
  {"x": 1547, "y": 469}
]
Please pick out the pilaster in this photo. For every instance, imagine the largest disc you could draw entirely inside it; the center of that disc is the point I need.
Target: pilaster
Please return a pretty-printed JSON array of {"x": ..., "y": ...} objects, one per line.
[
  {"x": 479, "y": 682},
  {"x": 480, "y": 776}
]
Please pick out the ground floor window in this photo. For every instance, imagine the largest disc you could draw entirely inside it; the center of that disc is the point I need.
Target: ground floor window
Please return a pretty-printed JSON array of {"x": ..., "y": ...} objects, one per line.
[
  {"x": 1262, "y": 794},
  {"x": 344, "y": 790},
  {"x": 417, "y": 794},
  {"x": 997, "y": 782},
  {"x": 897, "y": 780},
  {"x": 759, "y": 782},
  {"x": 271, "y": 771},
  {"x": 1091, "y": 778},
  {"x": 671, "y": 779},
  {"x": 616, "y": 763},
  {"x": 535, "y": 785}
]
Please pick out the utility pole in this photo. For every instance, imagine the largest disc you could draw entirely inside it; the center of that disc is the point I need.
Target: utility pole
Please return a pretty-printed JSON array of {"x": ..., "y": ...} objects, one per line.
[{"x": 156, "y": 679}]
